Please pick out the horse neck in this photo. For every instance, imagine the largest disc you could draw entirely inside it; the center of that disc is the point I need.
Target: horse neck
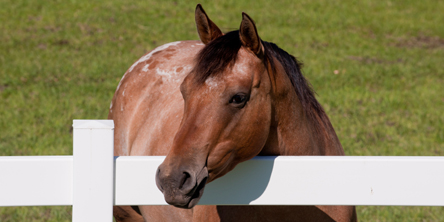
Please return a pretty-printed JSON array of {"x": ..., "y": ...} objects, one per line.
[{"x": 293, "y": 133}]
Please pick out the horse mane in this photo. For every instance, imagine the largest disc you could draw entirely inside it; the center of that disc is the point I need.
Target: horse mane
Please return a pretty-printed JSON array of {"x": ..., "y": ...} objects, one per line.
[{"x": 226, "y": 48}]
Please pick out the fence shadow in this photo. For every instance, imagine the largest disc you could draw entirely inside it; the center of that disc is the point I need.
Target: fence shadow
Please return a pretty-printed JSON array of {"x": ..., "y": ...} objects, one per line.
[{"x": 244, "y": 184}]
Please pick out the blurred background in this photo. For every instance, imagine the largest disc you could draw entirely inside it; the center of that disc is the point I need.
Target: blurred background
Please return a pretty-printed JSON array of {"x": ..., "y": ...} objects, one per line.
[{"x": 377, "y": 67}]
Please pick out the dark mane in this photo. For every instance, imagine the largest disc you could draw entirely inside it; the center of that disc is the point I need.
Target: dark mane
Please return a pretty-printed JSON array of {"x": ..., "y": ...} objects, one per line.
[{"x": 221, "y": 54}]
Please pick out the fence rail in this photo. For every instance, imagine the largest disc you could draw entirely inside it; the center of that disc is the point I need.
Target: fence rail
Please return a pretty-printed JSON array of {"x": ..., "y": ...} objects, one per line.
[{"x": 92, "y": 180}]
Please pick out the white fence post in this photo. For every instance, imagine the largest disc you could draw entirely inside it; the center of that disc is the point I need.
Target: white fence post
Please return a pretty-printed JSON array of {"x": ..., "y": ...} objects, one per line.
[{"x": 93, "y": 190}]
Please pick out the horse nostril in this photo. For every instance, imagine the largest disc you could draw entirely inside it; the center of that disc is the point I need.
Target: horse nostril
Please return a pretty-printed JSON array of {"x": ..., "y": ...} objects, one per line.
[
  {"x": 185, "y": 178},
  {"x": 158, "y": 180}
]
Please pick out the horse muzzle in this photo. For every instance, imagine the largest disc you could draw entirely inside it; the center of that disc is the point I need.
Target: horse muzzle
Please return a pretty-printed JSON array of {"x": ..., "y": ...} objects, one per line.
[{"x": 180, "y": 187}]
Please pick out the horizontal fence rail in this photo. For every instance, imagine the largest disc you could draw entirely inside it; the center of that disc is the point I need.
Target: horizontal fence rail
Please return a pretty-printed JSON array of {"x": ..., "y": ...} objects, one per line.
[
  {"x": 406, "y": 181},
  {"x": 93, "y": 180},
  {"x": 36, "y": 180},
  {"x": 308, "y": 180}
]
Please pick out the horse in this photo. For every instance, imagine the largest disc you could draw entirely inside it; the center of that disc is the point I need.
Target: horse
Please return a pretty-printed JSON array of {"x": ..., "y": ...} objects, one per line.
[{"x": 211, "y": 104}]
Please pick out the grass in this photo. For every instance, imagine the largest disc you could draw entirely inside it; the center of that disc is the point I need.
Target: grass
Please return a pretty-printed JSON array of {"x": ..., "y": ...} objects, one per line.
[{"x": 376, "y": 66}]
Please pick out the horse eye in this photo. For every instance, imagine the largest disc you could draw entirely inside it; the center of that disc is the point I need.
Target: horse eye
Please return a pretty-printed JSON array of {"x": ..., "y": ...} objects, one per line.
[{"x": 238, "y": 99}]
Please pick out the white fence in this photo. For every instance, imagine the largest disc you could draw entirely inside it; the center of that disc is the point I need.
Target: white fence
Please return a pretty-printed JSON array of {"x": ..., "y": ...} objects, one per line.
[{"x": 92, "y": 180}]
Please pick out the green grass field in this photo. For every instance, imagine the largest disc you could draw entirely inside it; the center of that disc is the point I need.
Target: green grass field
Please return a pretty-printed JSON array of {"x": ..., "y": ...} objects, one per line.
[{"x": 377, "y": 67}]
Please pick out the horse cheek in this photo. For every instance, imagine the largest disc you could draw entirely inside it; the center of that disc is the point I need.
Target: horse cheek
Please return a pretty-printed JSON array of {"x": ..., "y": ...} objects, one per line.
[{"x": 257, "y": 130}]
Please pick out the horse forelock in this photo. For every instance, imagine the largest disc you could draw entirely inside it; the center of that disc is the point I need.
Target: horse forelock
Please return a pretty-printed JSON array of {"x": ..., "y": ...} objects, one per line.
[{"x": 217, "y": 56}]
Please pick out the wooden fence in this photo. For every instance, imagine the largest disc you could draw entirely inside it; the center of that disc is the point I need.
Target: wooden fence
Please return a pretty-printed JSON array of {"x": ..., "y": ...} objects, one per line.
[{"x": 93, "y": 180}]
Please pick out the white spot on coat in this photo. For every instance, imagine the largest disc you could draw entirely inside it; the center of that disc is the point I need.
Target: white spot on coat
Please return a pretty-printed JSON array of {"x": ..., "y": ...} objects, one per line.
[
  {"x": 171, "y": 73},
  {"x": 148, "y": 56},
  {"x": 145, "y": 58},
  {"x": 164, "y": 73},
  {"x": 211, "y": 83},
  {"x": 145, "y": 68}
]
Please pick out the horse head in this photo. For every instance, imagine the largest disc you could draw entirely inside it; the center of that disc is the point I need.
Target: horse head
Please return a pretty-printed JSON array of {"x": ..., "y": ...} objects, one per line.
[{"x": 227, "y": 111}]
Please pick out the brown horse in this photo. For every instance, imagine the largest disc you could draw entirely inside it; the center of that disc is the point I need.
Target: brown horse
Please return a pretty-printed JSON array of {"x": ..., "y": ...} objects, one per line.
[{"x": 210, "y": 105}]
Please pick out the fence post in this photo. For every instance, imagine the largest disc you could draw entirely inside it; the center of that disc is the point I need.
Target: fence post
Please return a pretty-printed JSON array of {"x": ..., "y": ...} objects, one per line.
[{"x": 93, "y": 188}]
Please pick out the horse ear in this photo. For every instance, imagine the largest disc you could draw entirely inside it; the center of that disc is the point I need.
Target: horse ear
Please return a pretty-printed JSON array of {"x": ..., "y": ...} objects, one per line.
[
  {"x": 248, "y": 35},
  {"x": 208, "y": 31}
]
